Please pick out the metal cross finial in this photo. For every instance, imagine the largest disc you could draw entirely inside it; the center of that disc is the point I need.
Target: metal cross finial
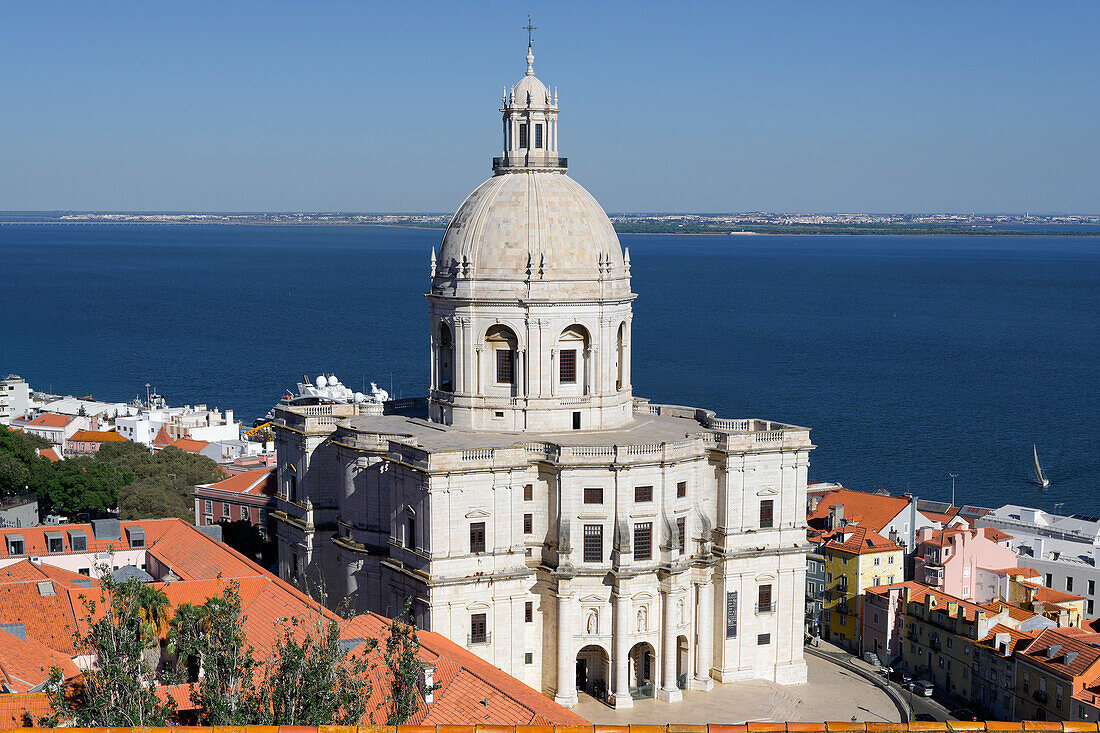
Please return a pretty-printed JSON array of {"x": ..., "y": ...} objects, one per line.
[{"x": 529, "y": 28}]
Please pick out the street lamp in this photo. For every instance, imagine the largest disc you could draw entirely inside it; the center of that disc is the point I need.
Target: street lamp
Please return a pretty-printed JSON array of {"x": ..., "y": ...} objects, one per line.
[{"x": 953, "y": 477}]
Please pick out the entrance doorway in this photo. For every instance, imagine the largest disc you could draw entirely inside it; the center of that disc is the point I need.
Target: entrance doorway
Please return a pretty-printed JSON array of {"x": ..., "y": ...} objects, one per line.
[
  {"x": 593, "y": 670},
  {"x": 642, "y": 664}
]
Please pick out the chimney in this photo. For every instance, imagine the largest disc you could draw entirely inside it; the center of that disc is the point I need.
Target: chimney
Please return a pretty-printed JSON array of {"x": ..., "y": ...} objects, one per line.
[
  {"x": 836, "y": 516},
  {"x": 911, "y": 538},
  {"x": 427, "y": 682}
]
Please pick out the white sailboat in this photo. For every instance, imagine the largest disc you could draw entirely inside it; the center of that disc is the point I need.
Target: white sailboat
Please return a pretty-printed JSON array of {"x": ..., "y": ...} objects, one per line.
[{"x": 1040, "y": 479}]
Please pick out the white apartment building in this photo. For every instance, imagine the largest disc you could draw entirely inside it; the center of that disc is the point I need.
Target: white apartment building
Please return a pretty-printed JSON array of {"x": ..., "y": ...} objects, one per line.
[
  {"x": 15, "y": 398},
  {"x": 532, "y": 508},
  {"x": 1064, "y": 549}
]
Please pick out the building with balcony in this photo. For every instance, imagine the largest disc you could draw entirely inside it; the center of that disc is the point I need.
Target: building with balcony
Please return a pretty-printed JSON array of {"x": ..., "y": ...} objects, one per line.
[
  {"x": 532, "y": 508},
  {"x": 1058, "y": 676},
  {"x": 856, "y": 559},
  {"x": 949, "y": 560}
]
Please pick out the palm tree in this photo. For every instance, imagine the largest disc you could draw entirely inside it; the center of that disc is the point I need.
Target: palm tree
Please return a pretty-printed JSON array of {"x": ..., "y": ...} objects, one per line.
[
  {"x": 152, "y": 611},
  {"x": 186, "y": 632}
]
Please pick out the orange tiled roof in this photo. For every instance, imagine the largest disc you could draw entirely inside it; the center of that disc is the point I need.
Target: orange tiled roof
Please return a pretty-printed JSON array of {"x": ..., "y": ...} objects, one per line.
[
  {"x": 940, "y": 537},
  {"x": 51, "y": 420},
  {"x": 260, "y": 482},
  {"x": 48, "y": 619},
  {"x": 860, "y": 540},
  {"x": 17, "y": 710},
  {"x": 918, "y": 592},
  {"x": 34, "y": 538},
  {"x": 873, "y": 511},
  {"x": 98, "y": 436},
  {"x": 1068, "y": 655},
  {"x": 943, "y": 518},
  {"x": 995, "y": 535},
  {"x": 162, "y": 438},
  {"x": 1014, "y": 612},
  {"x": 49, "y": 454},
  {"x": 188, "y": 445},
  {"x": 1049, "y": 595},
  {"x": 1015, "y": 638},
  {"x": 1016, "y": 572},
  {"x": 26, "y": 663}
]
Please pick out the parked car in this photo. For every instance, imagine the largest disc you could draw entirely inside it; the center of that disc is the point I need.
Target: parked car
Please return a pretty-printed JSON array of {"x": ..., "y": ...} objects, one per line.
[
  {"x": 964, "y": 714},
  {"x": 922, "y": 687},
  {"x": 902, "y": 677},
  {"x": 925, "y": 717}
]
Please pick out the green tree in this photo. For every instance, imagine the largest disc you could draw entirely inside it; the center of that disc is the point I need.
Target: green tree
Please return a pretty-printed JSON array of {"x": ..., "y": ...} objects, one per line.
[
  {"x": 402, "y": 657},
  {"x": 121, "y": 690},
  {"x": 312, "y": 679},
  {"x": 21, "y": 468},
  {"x": 82, "y": 485},
  {"x": 163, "y": 483}
]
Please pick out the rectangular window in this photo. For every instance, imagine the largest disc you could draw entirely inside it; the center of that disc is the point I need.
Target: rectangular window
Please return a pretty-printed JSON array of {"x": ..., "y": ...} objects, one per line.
[
  {"x": 15, "y": 546},
  {"x": 528, "y": 612},
  {"x": 767, "y": 509},
  {"x": 876, "y": 561},
  {"x": 1069, "y": 583},
  {"x": 528, "y": 492},
  {"x": 764, "y": 598},
  {"x": 292, "y": 487},
  {"x": 890, "y": 560},
  {"x": 643, "y": 493},
  {"x": 538, "y": 135},
  {"x": 528, "y": 521},
  {"x": 78, "y": 541},
  {"x": 478, "y": 632},
  {"x": 477, "y": 537},
  {"x": 681, "y": 489},
  {"x": 1092, "y": 587},
  {"x": 1050, "y": 580},
  {"x": 528, "y": 657},
  {"x": 523, "y": 135},
  {"x": 593, "y": 543},
  {"x": 506, "y": 366},
  {"x": 643, "y": 540},
  {"x": 1088, "y": 607},
  {"x": 410, "y": 533},
  {"x": 681, "y": 532},
  {"x": 209, "y": 506},
  {"x": 208, "y": 519},
  {"x": 763, "y": 639},
  {"x": 567, "y": 366},
  {"x": 731, "y": 614},
  {"x": 55, "y": 544},
  {"x": 593, "y": 496},
  {"x": 225, "y": 509}
]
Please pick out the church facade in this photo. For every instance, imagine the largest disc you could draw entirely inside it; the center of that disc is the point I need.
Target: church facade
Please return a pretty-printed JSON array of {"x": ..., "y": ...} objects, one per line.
[{"x": 531, "y": 508}]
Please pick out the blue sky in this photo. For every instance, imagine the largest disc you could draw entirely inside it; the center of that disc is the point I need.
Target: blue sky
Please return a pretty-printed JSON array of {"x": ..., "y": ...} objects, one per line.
[{"x": 817, "y": 106}]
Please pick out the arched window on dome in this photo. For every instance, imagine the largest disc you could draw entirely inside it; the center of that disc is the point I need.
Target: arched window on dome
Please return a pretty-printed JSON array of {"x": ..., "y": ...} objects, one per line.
[
  {"x": 446, "y": 358},
  {"x": 573, "y": 352},
  {"x": 620, "y": 356},
  {"x": 502, "y": 344}
]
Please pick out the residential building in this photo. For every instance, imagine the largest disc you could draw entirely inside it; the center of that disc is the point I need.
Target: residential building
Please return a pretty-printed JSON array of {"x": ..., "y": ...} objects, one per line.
[
  {"x": 1063, "y": 549},
  {"x": 815, "y": 589},
  {"x": 42, "y": 606},
  {"x": 532, "y": 507},
  {"x": 856, "y": 558},
  {"x": 949, "y": 559},
  {"x": 993, "y": 673},
  {"x": 248, "y": 496},
  {"x": 15, "y": 398},
  {"x": 212, "y": 451},
  {"x": 893, "y": 517},
  {"x": 53, "y": 427},
  {"x": 88, "y": 442},
  {"x": 1057, "y": 676},
  {"x": 171, "y": 423}
]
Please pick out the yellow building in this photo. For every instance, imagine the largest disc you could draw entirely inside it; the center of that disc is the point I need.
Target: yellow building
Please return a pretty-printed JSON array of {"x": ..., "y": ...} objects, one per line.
[{"x": 856, "y": 559}]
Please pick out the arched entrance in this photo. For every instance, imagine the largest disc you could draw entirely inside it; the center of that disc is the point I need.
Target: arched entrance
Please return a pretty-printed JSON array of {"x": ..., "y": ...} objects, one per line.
[
  {"x": 642, "y": 670},
  {"x": 683, "y": 662},
  {"x": 593, "y": 672}
]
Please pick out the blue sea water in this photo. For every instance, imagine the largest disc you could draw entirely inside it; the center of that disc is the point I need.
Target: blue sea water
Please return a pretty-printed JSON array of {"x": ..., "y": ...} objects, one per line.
[{"x": 910, "y": 357}]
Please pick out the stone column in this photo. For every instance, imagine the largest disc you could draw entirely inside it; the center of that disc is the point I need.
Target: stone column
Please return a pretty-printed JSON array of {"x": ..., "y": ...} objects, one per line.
[
  {"x": 566, "y": 694},
  {"x": 669, "y": 692},
  {"x": 704, "y": 629},
  {"x": 621, "y": 649},
  {"x": 521, "y": 373}
]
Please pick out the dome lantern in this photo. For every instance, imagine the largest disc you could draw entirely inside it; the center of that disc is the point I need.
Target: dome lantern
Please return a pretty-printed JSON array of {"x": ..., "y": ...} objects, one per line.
[{"x": 530, "y": 125}]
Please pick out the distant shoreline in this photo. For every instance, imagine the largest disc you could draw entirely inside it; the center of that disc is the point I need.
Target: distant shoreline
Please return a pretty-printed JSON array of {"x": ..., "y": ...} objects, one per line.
[{"x": 824, "y": 230}]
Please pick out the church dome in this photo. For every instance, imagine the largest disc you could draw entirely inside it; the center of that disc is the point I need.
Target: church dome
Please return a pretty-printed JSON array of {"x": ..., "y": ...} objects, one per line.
[
  {"x": 530, "y": 90},
  {"x": 534, "y": 226}
]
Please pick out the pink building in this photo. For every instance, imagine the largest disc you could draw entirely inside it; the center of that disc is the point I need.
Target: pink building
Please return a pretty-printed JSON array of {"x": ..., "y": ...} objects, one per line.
[{"x": 949, "y": 559}]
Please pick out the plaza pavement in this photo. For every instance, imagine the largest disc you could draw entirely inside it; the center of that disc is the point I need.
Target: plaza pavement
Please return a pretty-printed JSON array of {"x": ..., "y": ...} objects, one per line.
[{"x": 832, "y": 694}]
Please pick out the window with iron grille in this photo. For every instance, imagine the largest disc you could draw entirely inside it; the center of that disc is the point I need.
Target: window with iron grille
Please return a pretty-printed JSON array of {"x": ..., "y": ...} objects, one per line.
[
  {"x": 731, "y": 614},
  {"x": 767, "y": 507},
  {"x": 528, "y": 521},
  {"x": 538, "y": 136},
  {"x": 528, "y": 612},
  {"x": 643, "y": 493},
  {"x": 506, "y": 366},
  {"x": 523, "y": 135},
  {"x": 681, "y": 489},
  {"x": 528, "y": 657},
  {"x": 593, "y": 496},
  {"x": 643, "y": 540},
  {"x": 764, "y": 598},
  {"x": 763, "y": 639},
  {"x": 478, "y": 631},
  {"x": 477, "y": 537},
  {"x": 681, "y": 531},
  {"x": 528, "y": 492},
  {"x": 593, "y": 543},
  {"x": 567, "y": 366}
]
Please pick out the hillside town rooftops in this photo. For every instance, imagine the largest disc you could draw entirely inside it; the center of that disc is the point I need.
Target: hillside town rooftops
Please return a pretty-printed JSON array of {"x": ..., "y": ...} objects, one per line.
[
  {"x": 873, "y": 511},
  {"x": 258, "y": 482},
  {"x": 51, "y": 420},
  {"x": 861, "y": 541},
  {"x": 1065, "y": 652},
  {"x": 97, "y": 436},
  {"x": 1010, "y": 637}
]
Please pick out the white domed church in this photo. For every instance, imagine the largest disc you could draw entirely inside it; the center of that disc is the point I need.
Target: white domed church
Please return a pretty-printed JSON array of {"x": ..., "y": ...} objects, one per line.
[{"x": 531, "y": 508}]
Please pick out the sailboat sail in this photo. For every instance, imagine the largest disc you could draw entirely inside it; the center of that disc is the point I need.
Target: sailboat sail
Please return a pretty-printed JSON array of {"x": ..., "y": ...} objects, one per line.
[{"x": 1039, "y": 478}]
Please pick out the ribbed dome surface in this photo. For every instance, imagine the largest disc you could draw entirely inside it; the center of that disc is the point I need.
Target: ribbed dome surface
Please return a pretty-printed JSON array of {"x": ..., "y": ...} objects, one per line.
[
  {"x": 515, "y": 223},
  {"x": 531, "y": 91}
]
